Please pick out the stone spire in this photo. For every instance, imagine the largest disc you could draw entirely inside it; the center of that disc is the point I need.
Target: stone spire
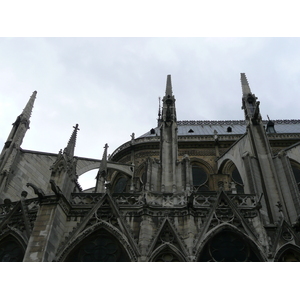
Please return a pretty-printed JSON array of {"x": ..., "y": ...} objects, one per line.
[
  {"x": 29, "y": 106},
  {"x": 69, "y": 150},
  {"x": 13, "y": 143},
  {"x": 245, "y": 85},
  {"x": 169, "y": 86},
  {"x": 168, "y": 141},
  {"x": 63, "y": 170},
  {"x": 20, "y": 126},
  {"x": 169, "y": 110}
]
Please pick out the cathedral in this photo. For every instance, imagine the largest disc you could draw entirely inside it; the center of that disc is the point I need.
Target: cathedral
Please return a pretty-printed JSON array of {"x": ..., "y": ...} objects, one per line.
[{"x": 186, "y": 191}]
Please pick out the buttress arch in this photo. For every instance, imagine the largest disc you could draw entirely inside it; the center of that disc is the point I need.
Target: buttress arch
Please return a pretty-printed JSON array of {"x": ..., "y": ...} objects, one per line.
[{"x": 84, "y": 165}]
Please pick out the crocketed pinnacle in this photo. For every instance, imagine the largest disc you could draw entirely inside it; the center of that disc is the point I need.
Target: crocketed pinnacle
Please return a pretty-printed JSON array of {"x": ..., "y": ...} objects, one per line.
[
  {"x": 29, "y": 106},
  {"x": 245, "y": 85},
  {"x": 69, "y": 150}
]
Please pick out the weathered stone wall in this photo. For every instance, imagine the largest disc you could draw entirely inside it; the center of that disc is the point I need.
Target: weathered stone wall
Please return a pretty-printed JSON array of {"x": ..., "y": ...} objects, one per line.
[
  {"x": 47, "y": 234},
  {"x": 32, "y": 167}
]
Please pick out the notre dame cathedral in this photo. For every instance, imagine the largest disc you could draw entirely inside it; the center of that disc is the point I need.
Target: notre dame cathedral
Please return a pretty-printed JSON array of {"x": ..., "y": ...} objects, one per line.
[{"x": 186, "y": 191}]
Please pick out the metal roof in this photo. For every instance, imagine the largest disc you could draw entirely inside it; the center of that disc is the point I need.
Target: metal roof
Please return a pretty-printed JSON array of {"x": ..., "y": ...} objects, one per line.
[{"x": 189, "y": 128}]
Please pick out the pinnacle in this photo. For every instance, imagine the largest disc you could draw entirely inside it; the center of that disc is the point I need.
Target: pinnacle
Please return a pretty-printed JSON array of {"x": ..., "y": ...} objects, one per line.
[
  {"x": 103, "y": 165},
  {"x": 169, "y": 91},
  {"x": 72, "y": 142},
  {"x": 245, "y": 85},
  {"x": 29, "y": 106}
]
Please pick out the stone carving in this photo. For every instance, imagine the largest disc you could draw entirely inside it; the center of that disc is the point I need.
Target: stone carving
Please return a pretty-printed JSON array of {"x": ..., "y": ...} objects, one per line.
[
  {"x": 55, "y": 188},
  {"x": 38, "y": 191}
]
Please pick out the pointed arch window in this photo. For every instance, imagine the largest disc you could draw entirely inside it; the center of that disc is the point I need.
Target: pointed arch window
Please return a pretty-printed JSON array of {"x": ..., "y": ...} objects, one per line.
[
  {"x": 227, "y": 246},
  {"x": 11, "y": 250},
  {"x": 99, "y": 247}
]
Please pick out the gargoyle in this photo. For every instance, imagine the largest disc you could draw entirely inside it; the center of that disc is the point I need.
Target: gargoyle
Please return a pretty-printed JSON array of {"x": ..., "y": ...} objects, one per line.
[
  {"x": 55, "y": 188},
  {"x": 39, "y": 192}
]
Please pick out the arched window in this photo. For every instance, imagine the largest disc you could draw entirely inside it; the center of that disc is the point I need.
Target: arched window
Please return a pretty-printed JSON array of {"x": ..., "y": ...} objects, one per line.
[
  {"x": 120, "y": 186},
  {"x": 11, "y": 250},
  {"x": 200, "y": 178},
  {"x": 227, "y": 246},
  {"x": 100, "y": 246}
]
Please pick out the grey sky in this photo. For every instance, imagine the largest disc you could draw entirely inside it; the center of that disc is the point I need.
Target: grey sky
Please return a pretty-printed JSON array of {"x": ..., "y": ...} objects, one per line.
[{"x": 110, "y": 86}]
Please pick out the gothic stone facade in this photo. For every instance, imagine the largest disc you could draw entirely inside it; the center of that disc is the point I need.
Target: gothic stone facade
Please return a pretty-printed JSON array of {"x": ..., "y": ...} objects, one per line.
[{"x": 185, "y": 191}]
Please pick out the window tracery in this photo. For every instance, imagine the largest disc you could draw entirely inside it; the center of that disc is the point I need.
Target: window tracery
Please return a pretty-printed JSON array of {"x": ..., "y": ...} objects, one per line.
[
  {"x": 99, "y": 247},
  {"x": 227, "y": 246}
]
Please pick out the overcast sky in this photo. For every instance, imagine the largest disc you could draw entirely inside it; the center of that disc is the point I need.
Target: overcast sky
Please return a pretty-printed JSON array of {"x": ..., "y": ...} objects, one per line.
[{"x": 110, "y": 86}]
